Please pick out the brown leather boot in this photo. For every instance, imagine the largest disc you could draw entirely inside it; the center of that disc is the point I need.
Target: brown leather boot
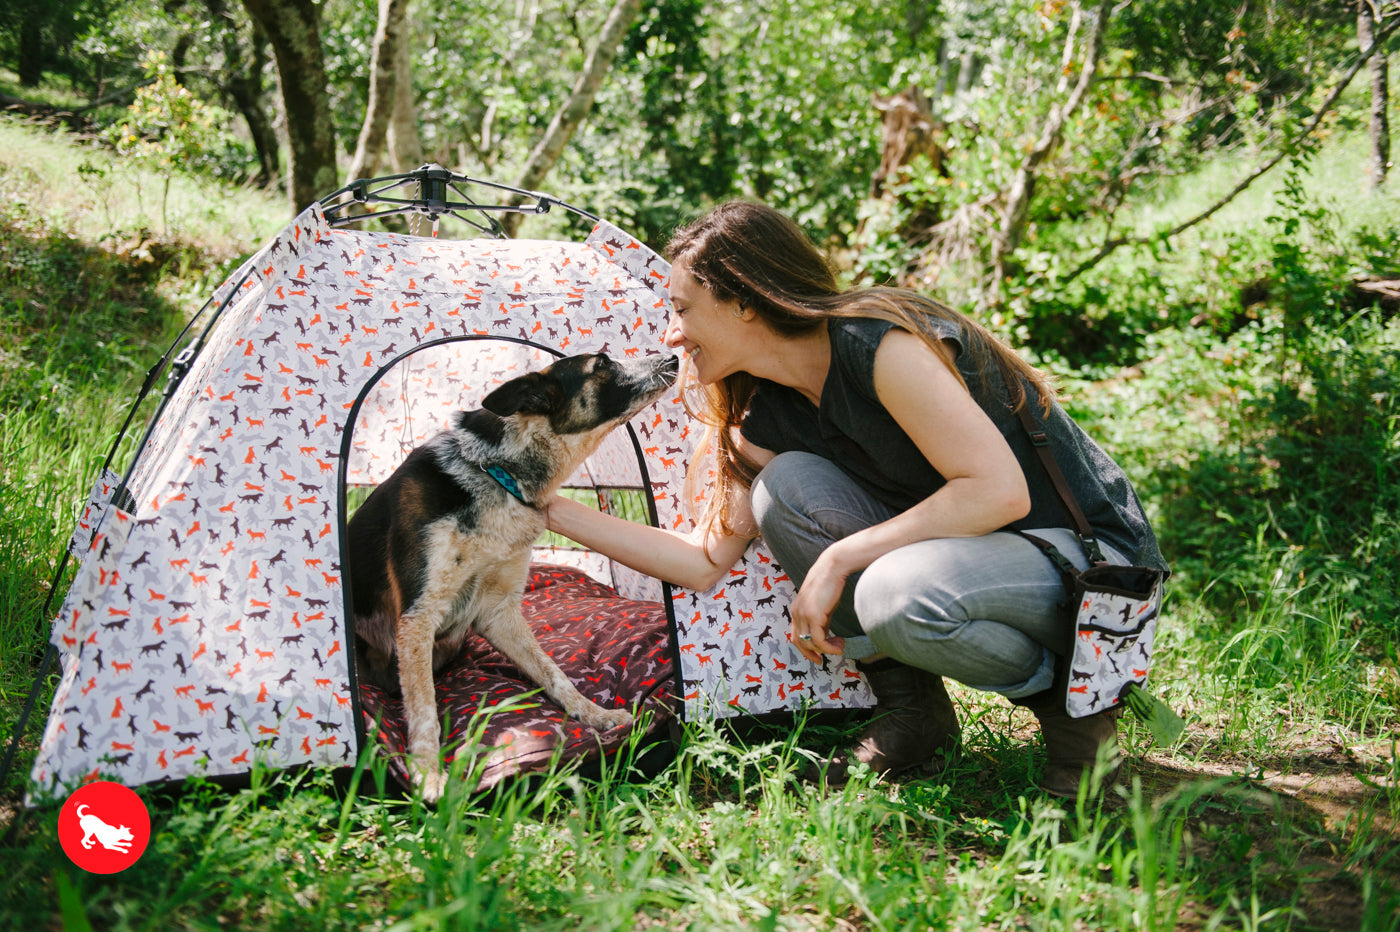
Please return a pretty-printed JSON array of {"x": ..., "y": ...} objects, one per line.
[
  {"x": 914, "y": 720},
  {"x": 1072, "y": 744}
]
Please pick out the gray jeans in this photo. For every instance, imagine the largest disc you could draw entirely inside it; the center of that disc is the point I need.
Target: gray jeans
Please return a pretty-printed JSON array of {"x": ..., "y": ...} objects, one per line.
[{"x": 984, "y": 611}]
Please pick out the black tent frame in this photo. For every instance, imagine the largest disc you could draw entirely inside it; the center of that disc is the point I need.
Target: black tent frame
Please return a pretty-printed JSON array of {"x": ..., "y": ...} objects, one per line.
[{"x": 439, "y": 192}]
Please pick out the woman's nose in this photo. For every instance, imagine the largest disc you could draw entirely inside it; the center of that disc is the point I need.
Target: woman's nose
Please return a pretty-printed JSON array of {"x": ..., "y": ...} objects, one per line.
[{"x": 673, "y": 336}]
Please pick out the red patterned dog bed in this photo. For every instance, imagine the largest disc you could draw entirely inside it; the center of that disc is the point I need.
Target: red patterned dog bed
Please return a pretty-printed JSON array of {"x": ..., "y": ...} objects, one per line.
[{"x": 617, "y": 652}]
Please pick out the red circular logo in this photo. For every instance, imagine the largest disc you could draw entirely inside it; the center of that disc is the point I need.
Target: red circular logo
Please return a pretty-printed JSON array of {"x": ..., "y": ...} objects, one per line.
[{"x": 104, "y": 827}]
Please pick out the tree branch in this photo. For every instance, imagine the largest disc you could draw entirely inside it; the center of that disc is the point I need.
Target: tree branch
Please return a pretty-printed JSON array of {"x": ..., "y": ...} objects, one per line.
[
  {"x": 1014, "y": 216},
  {"x": 1113, "y": 245},
  {"x": 571, "y": 114},
  {"x": 382, "y": 77}
]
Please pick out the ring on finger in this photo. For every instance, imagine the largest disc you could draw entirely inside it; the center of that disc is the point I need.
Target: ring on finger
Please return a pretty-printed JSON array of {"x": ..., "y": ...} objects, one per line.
[{"x": 804, "y": 637}]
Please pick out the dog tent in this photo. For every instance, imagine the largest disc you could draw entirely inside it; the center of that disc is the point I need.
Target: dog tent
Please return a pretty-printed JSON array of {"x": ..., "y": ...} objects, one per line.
[{"x": 206, "y": 624}]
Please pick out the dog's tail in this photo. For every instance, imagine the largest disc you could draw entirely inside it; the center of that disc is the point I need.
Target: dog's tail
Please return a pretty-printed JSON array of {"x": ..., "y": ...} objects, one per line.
[{"x": 80, "y": 810}]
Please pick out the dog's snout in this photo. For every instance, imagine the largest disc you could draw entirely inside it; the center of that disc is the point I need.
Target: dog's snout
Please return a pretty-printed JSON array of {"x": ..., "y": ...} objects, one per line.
[
  {"x": 656, "y": 371},
  {"x": 665, "y": 370}
]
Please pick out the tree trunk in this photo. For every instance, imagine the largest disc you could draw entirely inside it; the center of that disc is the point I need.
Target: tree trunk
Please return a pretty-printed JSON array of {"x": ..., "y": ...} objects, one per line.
[
  {"x": 917, "y": 14},
  {"x": 1380, "y": 94},
  {"x": 967, "y": 72},
  {"x": 1018, "y": 199},
  {"x": 908, "y": 129},
  {"x": 405, "y": 145},
  {"x": 243, "y": 83},
  {"x": 250, "y": 85},
  {"x": 179, "y": 55},
  {"x": 940, "y": 83},
  {"x": 580, "y": 101},
  {"x": 294, "y": 30},
  {"x": 522, "y": 32},
  {"x": 31, "y": 51},
  {"x": 392, "y": 15}
]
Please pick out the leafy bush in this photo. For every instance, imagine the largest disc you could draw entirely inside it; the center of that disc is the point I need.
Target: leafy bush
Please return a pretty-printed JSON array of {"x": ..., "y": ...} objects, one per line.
[
  {"x": 168, "y": 130},
  {"x": 1271, "y": 457}
]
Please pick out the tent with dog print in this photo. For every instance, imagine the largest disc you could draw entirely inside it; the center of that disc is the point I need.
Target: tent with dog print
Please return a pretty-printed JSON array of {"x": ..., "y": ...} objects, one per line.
[{"x": 206, "y": 626}]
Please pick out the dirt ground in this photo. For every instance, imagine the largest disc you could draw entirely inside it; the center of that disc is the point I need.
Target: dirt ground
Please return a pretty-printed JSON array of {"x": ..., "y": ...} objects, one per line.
[{"x": 1312, "y": 817}]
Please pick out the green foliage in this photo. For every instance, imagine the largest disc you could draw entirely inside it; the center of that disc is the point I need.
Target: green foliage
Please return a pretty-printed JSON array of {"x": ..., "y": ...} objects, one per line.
[
  {"x": 761, "y": 100},
  {"x": 169, "y": 130},
  {"x": 491, "y": 74},
  {"x": 695, "y": 145},
  {"x": 773, "y": 100},
  {"x": 1155, "y": 113},
  {"x": 62, "y": 36},
  {"x": 1272, "y": 49},
  {"x": 1272, "y": 453}
]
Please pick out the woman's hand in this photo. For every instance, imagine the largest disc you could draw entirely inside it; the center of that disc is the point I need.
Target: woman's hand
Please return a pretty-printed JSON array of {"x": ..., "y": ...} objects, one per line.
[{"x": 811, "y": 611}]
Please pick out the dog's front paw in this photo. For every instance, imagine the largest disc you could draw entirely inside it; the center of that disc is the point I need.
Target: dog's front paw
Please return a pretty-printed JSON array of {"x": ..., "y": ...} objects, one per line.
[
  {"x": 600, "y": 719},
  {"x": 430, "y": 782}
]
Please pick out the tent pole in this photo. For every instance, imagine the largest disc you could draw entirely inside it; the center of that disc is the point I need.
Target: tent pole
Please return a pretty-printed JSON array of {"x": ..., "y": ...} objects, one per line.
[{"x": 49, "y": 656}]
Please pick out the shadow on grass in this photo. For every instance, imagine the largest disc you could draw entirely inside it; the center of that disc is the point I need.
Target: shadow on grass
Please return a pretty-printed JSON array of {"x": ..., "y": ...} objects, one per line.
[
  {"x": 1299, "y": 834},
  {"x": 73, "y": 313}
]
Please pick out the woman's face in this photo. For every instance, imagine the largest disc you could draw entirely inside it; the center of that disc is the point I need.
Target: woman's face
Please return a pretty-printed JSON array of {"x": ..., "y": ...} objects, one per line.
[{"x": 714, "y": 334}]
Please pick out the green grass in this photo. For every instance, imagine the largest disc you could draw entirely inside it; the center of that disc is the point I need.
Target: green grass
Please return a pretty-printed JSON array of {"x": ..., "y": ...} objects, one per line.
[
  {"x": 1277, "y": 810},
  {"x": 54, "y": 91},
  {"x": 85, "y": 191},
  {"x": 1341, "y": 172},
  {"x": 725, "y": 838}
]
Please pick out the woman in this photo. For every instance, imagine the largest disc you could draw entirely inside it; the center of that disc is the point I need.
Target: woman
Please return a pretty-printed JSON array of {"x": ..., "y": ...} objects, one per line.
[{"x": 872, "y": 438}]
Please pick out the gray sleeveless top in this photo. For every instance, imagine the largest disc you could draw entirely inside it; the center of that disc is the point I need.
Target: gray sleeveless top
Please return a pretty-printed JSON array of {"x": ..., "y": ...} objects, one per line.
[{"x": 852, "y": 429}]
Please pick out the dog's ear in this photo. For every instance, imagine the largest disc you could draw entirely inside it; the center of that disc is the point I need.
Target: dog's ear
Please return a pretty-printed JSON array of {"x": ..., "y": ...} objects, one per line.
[{"x": 532, "y": 393}]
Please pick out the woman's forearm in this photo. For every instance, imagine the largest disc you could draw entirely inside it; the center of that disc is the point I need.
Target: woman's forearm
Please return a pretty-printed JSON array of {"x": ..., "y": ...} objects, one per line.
[{"x": 673, "y": 557}]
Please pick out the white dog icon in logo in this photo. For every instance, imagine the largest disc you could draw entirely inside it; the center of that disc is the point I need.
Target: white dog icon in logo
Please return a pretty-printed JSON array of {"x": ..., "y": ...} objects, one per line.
[
  {"x": 104, "y": 827},
  {"x": 112, "y": 837}
]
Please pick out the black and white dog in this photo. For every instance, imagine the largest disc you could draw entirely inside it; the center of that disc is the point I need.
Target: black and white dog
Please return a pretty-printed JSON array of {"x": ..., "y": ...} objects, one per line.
[{"x": 442, "y": 547}]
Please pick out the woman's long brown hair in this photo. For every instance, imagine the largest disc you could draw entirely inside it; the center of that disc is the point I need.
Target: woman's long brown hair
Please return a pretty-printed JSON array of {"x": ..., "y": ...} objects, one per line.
[{"x": 752, "y": 254}]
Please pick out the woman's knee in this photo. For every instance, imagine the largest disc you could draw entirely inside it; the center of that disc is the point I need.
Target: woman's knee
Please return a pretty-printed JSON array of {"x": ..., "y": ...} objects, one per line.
[{"x": 914, "y": 607}]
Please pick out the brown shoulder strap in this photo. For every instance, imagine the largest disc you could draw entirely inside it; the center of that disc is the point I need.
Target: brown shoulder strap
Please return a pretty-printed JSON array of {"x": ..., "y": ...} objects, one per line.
[{"x": 1040, "y": 440}]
